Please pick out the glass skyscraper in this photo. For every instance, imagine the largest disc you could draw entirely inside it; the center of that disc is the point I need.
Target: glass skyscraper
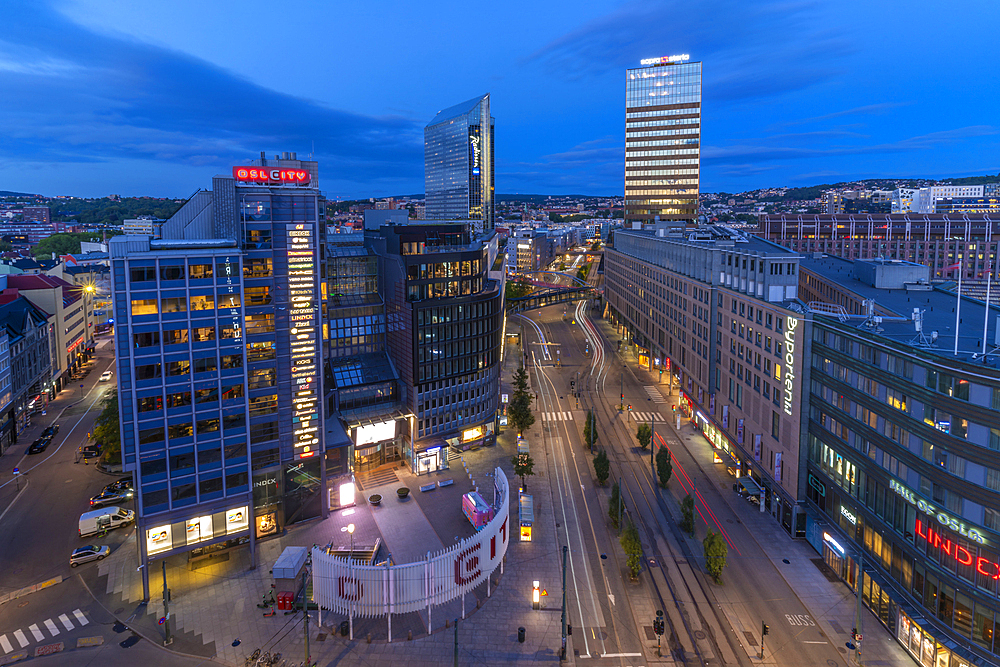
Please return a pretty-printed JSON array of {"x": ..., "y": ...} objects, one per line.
[
  {"x": 458, "y": 163},
  {"x": 662, "y": 139}
]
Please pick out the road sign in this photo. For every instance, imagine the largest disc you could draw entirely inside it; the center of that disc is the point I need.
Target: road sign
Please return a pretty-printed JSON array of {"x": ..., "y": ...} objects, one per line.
[
  {"x": 504, "y": 398},
  {"x": 17, "y": 471}
]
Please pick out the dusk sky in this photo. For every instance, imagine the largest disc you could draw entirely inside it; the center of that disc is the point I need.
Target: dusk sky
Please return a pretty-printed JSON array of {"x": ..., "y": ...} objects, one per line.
[{"x": 153, "y": 98}]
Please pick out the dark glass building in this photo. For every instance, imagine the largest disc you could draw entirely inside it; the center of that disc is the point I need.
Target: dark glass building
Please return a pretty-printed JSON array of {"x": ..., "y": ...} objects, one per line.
[
  {"x": 219, "y": 361},
  {"x": 662, "y": 139},
  {"x": 445, "y": 318},
  {"x": 458, "y": 164},
  {"x": 903, "y": 469}
]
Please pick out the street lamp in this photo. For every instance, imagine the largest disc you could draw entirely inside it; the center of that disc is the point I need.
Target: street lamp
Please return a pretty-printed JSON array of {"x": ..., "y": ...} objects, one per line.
[{"x": 350, "y": 614}]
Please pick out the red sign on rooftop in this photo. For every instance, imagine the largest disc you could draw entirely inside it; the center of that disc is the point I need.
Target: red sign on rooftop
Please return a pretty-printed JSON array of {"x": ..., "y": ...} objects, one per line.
[{"x": 272, "y": 175}]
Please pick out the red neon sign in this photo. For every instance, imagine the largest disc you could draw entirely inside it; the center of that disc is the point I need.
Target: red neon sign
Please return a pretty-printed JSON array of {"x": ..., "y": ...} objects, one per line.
[
  {"x": 959, "y": 553},
  {"x": 271, "y": 175}
]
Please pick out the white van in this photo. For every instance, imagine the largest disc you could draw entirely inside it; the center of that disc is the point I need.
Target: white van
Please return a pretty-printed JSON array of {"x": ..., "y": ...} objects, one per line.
[{"x": 106, "y": 518}]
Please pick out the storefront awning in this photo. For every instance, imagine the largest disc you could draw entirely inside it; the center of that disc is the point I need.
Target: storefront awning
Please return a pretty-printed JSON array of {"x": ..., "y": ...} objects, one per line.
[
  {"x": 751, "y": 487},
  {"x": 359, "y": 418}
]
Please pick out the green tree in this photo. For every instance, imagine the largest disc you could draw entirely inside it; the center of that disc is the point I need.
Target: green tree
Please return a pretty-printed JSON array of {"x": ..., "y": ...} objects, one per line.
[
  {"x": 62, "y": 244},
  {"x": 716, "y": 552},
  {"x": 519, "y": 412},
  {"x": 632, "y": 546},
  {"x": 590, "y": 430},
  {"x": 596, "y": 246},
  {"x": 602, "y": 467},
  {"x": 643, "y": 435},
  {"x": 614, "y": 505},
  {"x": 524, "y": 466},
  {"x": 517, "y": 288},
  {"x": 106, "y": 430},
  {"x": 664, "y": 468},
  {"x": 687, "y": 514},
  {"x": 520, "y": 380}
]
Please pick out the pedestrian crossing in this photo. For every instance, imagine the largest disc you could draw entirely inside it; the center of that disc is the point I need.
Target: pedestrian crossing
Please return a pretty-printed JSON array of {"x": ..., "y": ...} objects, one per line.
[
  {"x": 654, "y": 393},
  {"x": 557, "y": 416},
  {"x": 19, "y": 636},
  {"x": 647, "y": 416}
]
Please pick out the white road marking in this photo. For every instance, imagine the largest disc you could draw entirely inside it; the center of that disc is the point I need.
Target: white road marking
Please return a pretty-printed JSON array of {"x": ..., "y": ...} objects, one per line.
[
  {"x": 64, "y": 619},
  {"x": 53, "y": 630},
  {"x": 36, "y": 632},
  {"x": 80, "y": 618},
  {"x": 5, "y": 644},
  {"x": 21, "y": 639},
  {"x": 621, "y": 655},
  {"x": 815, "y": 642}
]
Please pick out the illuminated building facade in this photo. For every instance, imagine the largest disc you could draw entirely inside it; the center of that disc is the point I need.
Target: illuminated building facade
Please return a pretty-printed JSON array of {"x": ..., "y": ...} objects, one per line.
[
  {"x": 662, "y": 139},
  {"x": 902, "y": 472},
  {"x": 458, "y": 164},
  {"x": 446, "y": 315},
  {"x": 717, "y": 316},
  {"x": 220, "y": 361}
]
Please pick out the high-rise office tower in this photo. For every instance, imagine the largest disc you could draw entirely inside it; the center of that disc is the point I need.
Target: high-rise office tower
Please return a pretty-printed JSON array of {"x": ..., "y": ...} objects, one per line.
[
  {"x": 458, "y": 163},
  {"x": 662, "y": 139},
  {"x": 218, "y": 361}
]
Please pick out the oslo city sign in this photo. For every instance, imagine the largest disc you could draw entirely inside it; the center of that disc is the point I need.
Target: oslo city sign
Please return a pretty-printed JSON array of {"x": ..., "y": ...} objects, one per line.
[{"x": 272, "y": 175}]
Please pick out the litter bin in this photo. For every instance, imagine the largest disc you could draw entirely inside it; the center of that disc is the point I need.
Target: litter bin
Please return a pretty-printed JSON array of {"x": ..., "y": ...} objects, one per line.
[
  {"x": 520, "y": 635},
  {"x": 285, "y": 599},
  {"x": 345, "y": 628}
]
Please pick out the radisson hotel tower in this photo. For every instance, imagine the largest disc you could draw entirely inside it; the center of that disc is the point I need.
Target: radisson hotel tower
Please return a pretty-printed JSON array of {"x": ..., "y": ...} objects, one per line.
[{"x": 662, "y": 139}]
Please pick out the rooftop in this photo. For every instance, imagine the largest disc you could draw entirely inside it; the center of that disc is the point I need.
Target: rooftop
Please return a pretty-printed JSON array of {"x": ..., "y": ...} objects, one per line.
[
  {"x": 938, "y": 306},
  {"x": 456, "y": 111}
]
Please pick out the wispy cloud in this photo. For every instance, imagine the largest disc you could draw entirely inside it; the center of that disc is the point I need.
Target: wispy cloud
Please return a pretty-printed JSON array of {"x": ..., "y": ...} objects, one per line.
[{"x": 868, "y": 109}]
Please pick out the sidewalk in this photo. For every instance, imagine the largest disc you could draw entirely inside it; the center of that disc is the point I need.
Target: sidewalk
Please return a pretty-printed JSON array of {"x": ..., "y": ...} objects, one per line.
[
  {"x": 213, "y": 602},
  {"x": 829, "y": 600}
]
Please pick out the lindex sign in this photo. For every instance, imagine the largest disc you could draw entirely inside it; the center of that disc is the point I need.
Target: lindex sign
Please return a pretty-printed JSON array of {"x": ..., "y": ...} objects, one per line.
[{"x": 272, "y": 175}]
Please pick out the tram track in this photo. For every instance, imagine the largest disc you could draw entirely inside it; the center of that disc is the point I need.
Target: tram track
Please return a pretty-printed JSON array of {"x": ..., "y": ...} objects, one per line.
[{"x": 638, "y": 489}]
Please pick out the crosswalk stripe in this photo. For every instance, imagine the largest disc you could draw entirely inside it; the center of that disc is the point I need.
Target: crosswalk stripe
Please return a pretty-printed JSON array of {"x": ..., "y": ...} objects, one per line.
[
  {"x": 566, "y": 416},
  {"x": 64, "y": 619},
  {"x": 53, "y": 630},
  {"x": 36, "y": 632},
  {"x": 21, "y": 639},
  {"x": 80, "y": 618},
  {"x": 5, "y": 644}
]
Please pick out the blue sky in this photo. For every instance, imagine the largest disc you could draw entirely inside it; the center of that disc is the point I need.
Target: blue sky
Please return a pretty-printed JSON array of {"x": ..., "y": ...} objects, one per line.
[{"x": 153, "y": 98}]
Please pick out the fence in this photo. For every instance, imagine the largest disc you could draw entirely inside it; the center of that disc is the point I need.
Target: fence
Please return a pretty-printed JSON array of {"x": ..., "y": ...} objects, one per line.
[{"x": 373, "y": 591}]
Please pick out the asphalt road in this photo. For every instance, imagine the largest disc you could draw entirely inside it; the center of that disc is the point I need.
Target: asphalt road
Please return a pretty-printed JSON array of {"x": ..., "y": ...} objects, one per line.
[
  {"x": 40, "y": 521},
  {"x": 722, "y": 622}
]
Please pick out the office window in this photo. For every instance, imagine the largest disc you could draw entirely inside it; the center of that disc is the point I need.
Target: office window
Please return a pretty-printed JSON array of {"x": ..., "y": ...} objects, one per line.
[
  {"x": 230, "y": 422},
  {"x": 147, "y": 372},
  {"x": 260, "y": 324},
  {"x": 263, "y": 405},
  {"x": 144, "y": 307},
  {"x": 175, "y": 368},
  {"x": 202, "y": 302},
  {"x": 233, "y": 391},
  {"x": 775, "y": 423},
  {"x": 171, "y": 273},
  {"x": 146, "y": 339},
  {"x": 180, "y": 431},
  {"x": 229, "y": 300},
  {"x": 175, "y": 336},
  {"x": 263, "y": 432},
  {"x": 232, "y": 361},
  {"x": 179, "y": 399},
  {"x": 173, "y": 304},
  {"x": 205, "y": 365},
  {"x": 199, "y": 272},
  {"x": 208, "y": 426},
  {"x": 149, "y": 404},
  {"x": 209, "y": 456},
  {"x": 210, "y": 395},
  {"x": 150, "y": 435},
  {"x": 202, "y": 334},
  {"x": 257, "y": 296},
  {"x": 262, "y": 378},
  {"x": 261, "y": 351},
  {"x": 141, "y": 274}
]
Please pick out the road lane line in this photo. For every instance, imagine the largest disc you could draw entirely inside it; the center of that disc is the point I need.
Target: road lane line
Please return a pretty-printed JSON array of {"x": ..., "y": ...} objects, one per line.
[
  {"x": 36, "y": 632},
  {"x": 80, "y": 618},
  {"x": 21, "y": 639},
  {"x": 53, "y": 630},
  {"x": 5, "y": 644},
  {"x": 64, "y": 619}
]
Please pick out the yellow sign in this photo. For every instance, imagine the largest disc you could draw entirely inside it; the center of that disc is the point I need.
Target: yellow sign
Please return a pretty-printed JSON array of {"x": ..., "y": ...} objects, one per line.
[
  {"x": 472, "y": 434},
  {"x": 525, "y": 533}
]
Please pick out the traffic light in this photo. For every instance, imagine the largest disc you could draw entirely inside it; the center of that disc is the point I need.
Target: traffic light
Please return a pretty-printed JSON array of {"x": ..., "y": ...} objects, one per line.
[
  {"x": 630, "y": 407},
  {"x": 658, "y": 623},
  {"x": 765, "y": 628},
  {"x": 674, "y": 408},
  {"x": 623, "y": 398}
]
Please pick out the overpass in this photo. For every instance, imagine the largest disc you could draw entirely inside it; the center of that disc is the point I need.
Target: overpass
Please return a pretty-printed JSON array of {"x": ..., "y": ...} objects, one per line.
[{"x": 551, "y": 296}]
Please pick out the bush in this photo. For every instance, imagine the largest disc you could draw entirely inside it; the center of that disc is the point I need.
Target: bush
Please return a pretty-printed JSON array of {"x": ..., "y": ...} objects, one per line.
[
  {"x": 664, "y": 468},
  {"x": 643, "y": 435},
  {"x": 716, "y": 552},
  {"x": 687, "y": 512},
  {"x": 602, "y": 467},
  {"x": 633, "y": 548},
  {"x": 614, "y": 505}
]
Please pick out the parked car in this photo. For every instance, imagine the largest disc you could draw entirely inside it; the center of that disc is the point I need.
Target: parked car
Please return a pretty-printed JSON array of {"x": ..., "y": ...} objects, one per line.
[
  {"x": 103, "y": 520},
  {"x": 106, "y": 497},
  {"x": 90, "y": 451},
  {"x": 88, "y": 553},
  {"x": 50, "y": 431},
  {"x": 38, "y": 446},
  {"x": 106, "y": 375},
  {"x": 120, "y": 485}
]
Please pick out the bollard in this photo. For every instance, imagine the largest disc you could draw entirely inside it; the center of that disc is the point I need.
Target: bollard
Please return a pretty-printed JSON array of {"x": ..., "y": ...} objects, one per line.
[
  {"x": 409, "y": 635},
  {"x": 369, "y": 638},
  {"x": 344, "y": 628},
  {"x": 569, "y": 628},
  {"x": 520, "y": 635},
  {"x": 447, "y": 623}
]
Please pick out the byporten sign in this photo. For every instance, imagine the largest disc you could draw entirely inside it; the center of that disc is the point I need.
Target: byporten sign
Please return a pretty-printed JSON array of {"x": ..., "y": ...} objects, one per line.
[{"x": 791, "y": 324}]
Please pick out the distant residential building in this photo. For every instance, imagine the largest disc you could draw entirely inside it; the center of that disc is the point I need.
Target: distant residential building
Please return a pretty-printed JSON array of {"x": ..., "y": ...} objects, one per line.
[
  {"x": 30, "y": 233},
  {"x": 37, "y": 214},
  {"x": 662, "y": 140},
  {"x": 25, "y": 335},
  {"x": 990, "y": 204},
  {"x": 375, "y": 218},
  {"x": 459, "y": 182},
  {"x": 143, "y": 225},
  {"x": 924, "y": 200}
]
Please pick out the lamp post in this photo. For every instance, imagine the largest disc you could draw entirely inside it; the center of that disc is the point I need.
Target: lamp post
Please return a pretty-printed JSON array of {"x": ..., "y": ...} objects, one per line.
[{"x": 350, "y": 615}]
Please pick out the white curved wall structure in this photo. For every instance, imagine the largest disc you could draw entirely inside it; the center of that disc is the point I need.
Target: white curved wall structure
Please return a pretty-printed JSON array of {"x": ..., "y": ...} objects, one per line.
[{"x": 372, "y": 591}]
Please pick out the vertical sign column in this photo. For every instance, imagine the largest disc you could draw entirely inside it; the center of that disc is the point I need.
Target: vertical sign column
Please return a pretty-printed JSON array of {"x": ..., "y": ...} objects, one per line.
[{"x": 302, "y": 336}]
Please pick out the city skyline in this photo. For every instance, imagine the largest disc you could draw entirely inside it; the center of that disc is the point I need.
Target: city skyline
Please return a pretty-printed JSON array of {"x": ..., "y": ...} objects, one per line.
[{"x": 138, "y": 100}]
